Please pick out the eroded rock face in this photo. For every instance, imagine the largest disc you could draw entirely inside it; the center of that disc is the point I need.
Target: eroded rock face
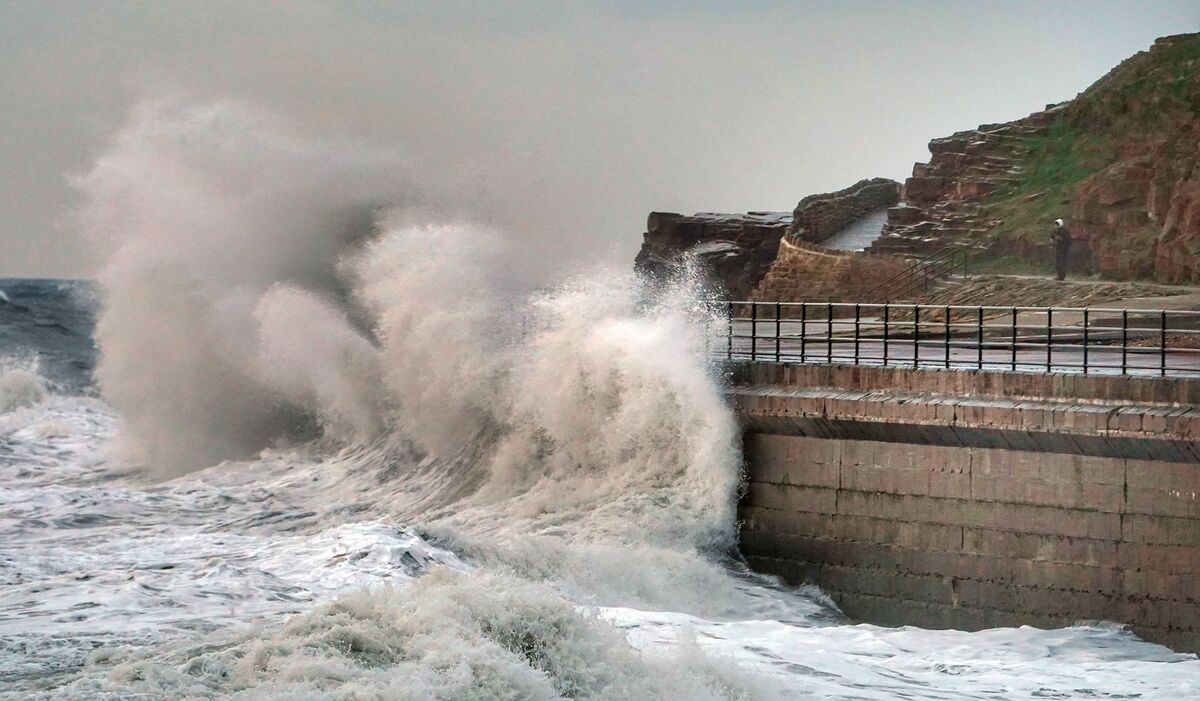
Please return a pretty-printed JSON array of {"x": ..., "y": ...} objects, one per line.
[
  {"x": 1140, "y": 216},
  {"x": 943, "y": 199},
  {"x": 735, "y": 249},
  {"x": 1120, "y": 162},
  {"x": 1178, "y": 255}
]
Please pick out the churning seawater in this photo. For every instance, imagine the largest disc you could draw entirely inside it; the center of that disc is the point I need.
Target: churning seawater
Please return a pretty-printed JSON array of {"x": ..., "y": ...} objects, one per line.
[{"x": 333, "y": 451}]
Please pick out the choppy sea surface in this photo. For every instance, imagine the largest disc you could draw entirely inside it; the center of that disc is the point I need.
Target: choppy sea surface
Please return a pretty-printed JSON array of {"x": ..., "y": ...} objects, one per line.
[
  {"x": 346, "y": 571},
  {"x": 310, "y": 435}
]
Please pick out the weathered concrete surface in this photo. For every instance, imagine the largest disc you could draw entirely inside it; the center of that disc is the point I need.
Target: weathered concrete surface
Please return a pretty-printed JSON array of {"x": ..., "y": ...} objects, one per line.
[{"x": 933, "y": 505}]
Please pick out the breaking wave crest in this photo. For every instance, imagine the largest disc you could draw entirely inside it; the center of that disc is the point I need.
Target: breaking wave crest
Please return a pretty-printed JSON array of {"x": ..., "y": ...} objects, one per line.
[
  {"x": 20, "y": 385},
  {"x": 262, "y": 290},
  {"x": 283, "y": 292},
  {"x": 447, "y": 636}
]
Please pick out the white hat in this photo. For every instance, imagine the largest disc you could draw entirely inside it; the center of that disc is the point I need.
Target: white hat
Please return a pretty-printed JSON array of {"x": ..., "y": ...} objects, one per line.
[{"x": 1058, "y": 222}]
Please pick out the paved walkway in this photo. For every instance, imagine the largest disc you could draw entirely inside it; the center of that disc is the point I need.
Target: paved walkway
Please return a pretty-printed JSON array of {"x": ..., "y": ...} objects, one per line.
[{"x": 860, "y": 234}]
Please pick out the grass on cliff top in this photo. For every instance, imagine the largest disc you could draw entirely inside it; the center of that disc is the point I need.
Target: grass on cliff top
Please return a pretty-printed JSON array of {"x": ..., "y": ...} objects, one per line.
[
  {"x": 1054, "y": 165},
  {"x": 1149, "y": 94},
  {"x": 1166, "y": 73}
]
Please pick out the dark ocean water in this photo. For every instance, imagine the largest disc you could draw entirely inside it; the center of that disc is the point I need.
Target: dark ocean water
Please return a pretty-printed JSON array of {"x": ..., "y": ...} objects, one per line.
[{"x": 50, "y": 321}]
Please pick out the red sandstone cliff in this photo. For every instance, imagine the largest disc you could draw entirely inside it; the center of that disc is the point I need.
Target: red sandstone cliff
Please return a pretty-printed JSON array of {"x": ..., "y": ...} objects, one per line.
[
  {"x": 1120, "y": 162},
  {"x": 1140, "y": 213},
  {"x": 734, "y": 249}
]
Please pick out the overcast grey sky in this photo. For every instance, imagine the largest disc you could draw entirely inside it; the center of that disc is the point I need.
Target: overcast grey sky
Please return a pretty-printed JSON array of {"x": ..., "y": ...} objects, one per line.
[{"x": 566, "y": 122}]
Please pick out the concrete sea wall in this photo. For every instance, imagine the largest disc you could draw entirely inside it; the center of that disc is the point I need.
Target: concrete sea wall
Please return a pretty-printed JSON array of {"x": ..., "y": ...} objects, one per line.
[{"x": 911, "y": 499}]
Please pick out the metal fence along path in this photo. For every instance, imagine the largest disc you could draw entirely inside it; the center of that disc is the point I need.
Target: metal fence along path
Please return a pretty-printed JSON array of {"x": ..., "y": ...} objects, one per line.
[{"x": 1084, "y": 340}]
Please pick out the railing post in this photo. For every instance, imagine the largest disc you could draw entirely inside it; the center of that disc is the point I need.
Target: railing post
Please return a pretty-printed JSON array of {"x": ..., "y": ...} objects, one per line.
[
  {"x": 803, "y": 329},
  {"x": 886, "y": 309},
  {"x": 729, "y": 331},
  {"x": 1014, "y": 339},
  {"x": 1085, "y": 341},
  {"x": 1162, "y": 345},
  {"x": 829, "y": 333},
  {"x": 947, "y": 330},
  {"x": 753, "y": 330},
  {"x": 1049, "y": 339},
  {"x": 916, "y": 335},
  {"x": 857, "y": 327},
  {"x": 1124, "y": 340},
  {"x": 979, "y": 340},
  {"x": 778, "y": 329}
]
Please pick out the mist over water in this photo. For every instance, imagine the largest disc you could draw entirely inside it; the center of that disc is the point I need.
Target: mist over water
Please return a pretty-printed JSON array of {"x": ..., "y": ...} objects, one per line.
[
  {"x": 343, "y": 454},
  {"x": 217, "y": 226},
  {"x": 263, "y": 291},
  {"x": 286, "y": 287}
]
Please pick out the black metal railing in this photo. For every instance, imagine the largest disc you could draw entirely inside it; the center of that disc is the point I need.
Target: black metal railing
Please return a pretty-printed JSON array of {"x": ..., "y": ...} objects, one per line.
[
  {"x": 921, "y": 274},
  {"x": 1027, "y": 339}
]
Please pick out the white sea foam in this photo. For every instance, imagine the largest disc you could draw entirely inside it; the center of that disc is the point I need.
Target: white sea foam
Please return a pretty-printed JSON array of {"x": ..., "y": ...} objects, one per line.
[
  {"x": 20, "y": 385},
  {"x": 353, "y": 460},
  {"x": 286, "y": 577}
]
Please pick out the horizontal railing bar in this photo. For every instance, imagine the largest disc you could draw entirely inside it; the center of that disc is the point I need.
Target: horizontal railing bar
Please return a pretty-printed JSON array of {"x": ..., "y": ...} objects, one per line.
[
  {"x": 986, "y": 307},
  {"x": 1030, "y": 345},
  {"x": 965, "y": 362},
  {"x": 867, "y": 324}
]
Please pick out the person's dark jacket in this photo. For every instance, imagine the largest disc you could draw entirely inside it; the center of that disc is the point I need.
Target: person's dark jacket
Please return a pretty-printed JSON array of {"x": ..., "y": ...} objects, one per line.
[
  {"x": 1061, "y": 238},
  {"x": 1062, "y": 251}
]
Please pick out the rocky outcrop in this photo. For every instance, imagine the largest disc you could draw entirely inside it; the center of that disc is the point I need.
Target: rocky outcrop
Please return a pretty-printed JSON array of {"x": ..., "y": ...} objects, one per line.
[
  {"x": 1177, "y": 258},
  {"x": 1140, "y": 214},
  {"x": 817, "y": 217},
  {"x": 943, "y": 198},
  {"x": 734, "y": 249},
  {"x": 1120, "y": 162}
]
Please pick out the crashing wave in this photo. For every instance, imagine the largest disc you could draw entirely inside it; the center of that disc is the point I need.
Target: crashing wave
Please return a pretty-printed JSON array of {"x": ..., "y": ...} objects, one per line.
[{"x": 20, "y": 385}]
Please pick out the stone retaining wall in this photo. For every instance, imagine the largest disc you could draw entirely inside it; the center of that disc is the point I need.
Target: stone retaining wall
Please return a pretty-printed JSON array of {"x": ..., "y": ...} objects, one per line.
[
  {"x": 809, "y": 273},
  {"x": 817, "y": 217},
  {"x": 1042, "y": 503}
]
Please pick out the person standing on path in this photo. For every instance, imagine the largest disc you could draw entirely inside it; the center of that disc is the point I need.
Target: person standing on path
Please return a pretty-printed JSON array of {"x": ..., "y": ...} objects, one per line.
[{"x": 1062, "y": 248}]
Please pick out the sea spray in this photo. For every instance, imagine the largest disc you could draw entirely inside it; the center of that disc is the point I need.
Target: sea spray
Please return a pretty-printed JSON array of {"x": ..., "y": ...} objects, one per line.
[
  {"x": 198, "y": 211},
  {"x": 377, "y": 385},
  {"x": 20, "y": 384},
  {"x": 311, "y": 354},
  {"x": 287, "y": 288},
  {"x": 447, "y": 636},
  {"x": 259, "y": 284}
]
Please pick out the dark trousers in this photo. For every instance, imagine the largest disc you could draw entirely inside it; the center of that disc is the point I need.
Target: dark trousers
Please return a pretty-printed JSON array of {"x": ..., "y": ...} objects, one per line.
[{"x": 1062, "y": 255}]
